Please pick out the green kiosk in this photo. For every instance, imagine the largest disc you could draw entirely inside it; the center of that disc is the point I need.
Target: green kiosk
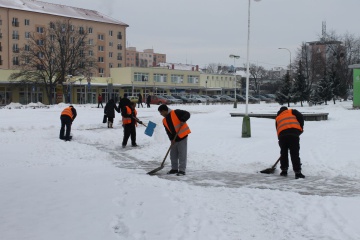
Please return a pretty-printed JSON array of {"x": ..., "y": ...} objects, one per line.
[{"x": 356, "y": 85}]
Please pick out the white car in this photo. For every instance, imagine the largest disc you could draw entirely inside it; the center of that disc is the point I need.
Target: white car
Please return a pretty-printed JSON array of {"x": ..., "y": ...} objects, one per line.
[{"x": 198, "y": 98}]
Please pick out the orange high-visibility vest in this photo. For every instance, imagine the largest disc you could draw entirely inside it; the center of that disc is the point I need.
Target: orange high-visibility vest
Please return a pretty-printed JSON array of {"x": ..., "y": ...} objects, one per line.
[
  {"x": 182, "y": 131},
  {"x": 127, "y": 120},
  {"x": 67, "y": 111},
  {"x": 287, "y": 120}
]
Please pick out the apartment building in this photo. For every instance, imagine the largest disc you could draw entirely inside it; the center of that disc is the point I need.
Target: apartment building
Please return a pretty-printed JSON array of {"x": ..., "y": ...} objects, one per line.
[
  {"x": 147, "y": 58},
  {"x": 20, "y": 18}
]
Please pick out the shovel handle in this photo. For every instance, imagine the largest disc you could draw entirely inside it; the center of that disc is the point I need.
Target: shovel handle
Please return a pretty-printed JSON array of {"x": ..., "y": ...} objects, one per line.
[{"x": 277, "y": 161}]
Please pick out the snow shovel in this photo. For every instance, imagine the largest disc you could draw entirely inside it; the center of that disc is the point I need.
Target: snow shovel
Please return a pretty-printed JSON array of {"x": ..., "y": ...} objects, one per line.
[
  {"x": 272, "y": 169},
  {"x": 149, "y": 128},
  {"x": 162, "y": 164}
]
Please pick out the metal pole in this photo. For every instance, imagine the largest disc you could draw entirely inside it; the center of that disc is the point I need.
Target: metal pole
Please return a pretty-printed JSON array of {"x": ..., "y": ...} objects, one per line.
[
  {"x": 235, "y": 57},
  {"x": 290, "y": 74}
]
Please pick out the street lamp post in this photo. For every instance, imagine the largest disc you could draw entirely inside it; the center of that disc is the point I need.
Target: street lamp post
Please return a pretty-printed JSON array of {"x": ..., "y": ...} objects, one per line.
[
  {"x": 246, "y": 130},
  {"x": 235, "y": 57},
  {"x": 290, "y": 61}
]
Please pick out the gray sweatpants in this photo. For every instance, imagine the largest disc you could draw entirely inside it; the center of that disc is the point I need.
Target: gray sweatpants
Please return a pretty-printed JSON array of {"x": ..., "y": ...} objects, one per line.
[{"x": 178, "y": 155}]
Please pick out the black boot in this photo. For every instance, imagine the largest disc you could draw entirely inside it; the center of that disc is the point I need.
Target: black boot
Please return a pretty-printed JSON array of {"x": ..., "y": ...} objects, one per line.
[
  {"x": 299, "y": 175},
  {"x": 283, "y": 173}
]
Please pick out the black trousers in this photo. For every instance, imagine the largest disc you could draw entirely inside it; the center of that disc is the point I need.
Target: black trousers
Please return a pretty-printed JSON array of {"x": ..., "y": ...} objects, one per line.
[
  {"x": 99, "y": 104},
  {"x": 148, "y": 104},
  {"x": 129, "y": 130},
  {"x": 65, "y": 121},
  {"x": 291, "y": 143}
]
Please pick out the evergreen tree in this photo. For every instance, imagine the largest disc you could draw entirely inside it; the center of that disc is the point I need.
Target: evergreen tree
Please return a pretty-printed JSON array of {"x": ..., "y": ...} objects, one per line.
[
  {"x": 301, "y": 89},
  {"x": 285, "y": 93},
  {"x": 325, "y": 89}
]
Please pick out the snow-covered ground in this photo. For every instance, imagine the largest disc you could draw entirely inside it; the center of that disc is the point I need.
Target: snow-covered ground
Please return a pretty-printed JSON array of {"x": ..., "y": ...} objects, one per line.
[{"x": 92, "y": 189}]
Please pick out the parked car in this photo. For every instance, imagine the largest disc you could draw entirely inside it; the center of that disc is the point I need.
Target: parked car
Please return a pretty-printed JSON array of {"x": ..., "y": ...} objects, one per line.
[
  {"x": 172, "y": 99},
  {"x": 197, "y": 98},
  {"x": 228, "y": 98},
  {"x": 208, "y": 98},
  {"x": 263, "y": 98},
  {"x": 156, "y": 99},
  {"x": 134, "y": 99},
  {"x": 217, "y": 98},
  {"x": 183, "y": 98}
]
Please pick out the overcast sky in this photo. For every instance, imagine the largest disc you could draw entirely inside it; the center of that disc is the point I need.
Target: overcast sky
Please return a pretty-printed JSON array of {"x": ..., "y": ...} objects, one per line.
[{"x": 200, "y": 32}]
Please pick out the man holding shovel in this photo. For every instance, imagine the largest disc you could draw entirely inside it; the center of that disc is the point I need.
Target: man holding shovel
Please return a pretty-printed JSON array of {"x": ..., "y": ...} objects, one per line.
[
  {"x": 129, "y": 121},
  {"x": 289, "y": 127},
  {"x": 177, "y": 129}
]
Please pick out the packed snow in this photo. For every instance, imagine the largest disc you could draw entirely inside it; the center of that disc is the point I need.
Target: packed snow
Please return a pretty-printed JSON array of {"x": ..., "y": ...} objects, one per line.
[{"x": 91, "y": 188}]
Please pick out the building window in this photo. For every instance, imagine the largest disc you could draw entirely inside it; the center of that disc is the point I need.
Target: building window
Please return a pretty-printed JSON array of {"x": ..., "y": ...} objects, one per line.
[
  {"x": 177, "y": 78},
  {"x": 15, "y": 48},
  {"x": 72, "y": 40},
  {"x": 119, "y": 65},
  {"x": 101, "y": 70},
  {"x": 100, "y": 59},
  {"x": 27, "y": 34},
  {"x": 27, "y": 22},
  {"x": 111, "y": 44},
  {"x": 119, "y": 57},
  {"x": 39, "y": 29},
  {"x": 90, "y": 30},
  {"x": 15, "y": 22},
  {"x": 15, "y": 60},
  {"x": 101, "y": 48},
  {"x": 110, "y": 54},
  {"x": 52, "y": 25},
  {"x": 91, "y": 53},
  {"x": 81, "y": 30},
  {"x": 193, "y": 79},
  {"x": 101, "y": 37},
  {"x": 40, "y": 42},
  {"x": 91, "y": 41},
  {"x": 119, "y": 46},
  {"x": 52, "y": 37},
  {"x": 110, "y": 65},
  {"x": 140, "y": 77},
  {"x": 27, "y": 47},
  {"x": 160, "y": 77},
  {"x": 110, "y": 32},
  {"x": 15, "y": 35},
  {"x": 119, "y": 35}
]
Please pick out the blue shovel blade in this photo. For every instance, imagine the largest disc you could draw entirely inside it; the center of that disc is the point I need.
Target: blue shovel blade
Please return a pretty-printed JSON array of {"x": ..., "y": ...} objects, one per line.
[{"x": 150, "y": 128}]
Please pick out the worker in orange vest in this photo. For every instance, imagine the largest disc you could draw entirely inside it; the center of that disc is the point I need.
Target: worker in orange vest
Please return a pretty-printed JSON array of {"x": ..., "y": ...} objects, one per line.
[
  {"x": 129, "y": 121},
  {"x": 177, "y": 130},
  {"x": 289, "y": 127},
  {"x": 67, "y": 116}
]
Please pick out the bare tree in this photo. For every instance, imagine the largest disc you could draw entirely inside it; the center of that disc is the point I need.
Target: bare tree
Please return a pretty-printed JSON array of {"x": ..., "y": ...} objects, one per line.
[
  {"x": 52, "y": 53},
  {"x": 257, "y": 74}
]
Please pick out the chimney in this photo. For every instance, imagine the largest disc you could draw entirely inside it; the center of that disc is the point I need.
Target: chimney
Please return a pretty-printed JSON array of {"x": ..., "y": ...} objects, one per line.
[
  {"x": 192, "y": 68},
  {"x": 172, "y": 66},
  {"x": 197, "y": 68}
]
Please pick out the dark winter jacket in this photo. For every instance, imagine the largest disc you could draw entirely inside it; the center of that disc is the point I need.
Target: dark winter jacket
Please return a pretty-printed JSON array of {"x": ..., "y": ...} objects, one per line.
[
  {"x": 148, "y": 99},
  {"x": 292, "y": 131},
  {"x": 183, "y": 117},
  {"x": 110, "y": 108},
  {"x": 123, "y": 103}
]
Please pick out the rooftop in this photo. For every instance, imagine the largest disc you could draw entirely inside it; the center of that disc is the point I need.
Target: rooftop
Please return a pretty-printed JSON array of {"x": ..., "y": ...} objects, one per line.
[{"x": 59, "y": 10}]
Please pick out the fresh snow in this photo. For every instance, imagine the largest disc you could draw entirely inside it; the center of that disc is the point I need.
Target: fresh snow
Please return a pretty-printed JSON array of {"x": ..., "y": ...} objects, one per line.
[{"x": 91, "y": 188}]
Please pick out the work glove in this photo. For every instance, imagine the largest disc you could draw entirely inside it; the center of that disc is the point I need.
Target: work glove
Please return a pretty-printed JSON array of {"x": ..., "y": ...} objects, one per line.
[{"x": 140, "y": 122}]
